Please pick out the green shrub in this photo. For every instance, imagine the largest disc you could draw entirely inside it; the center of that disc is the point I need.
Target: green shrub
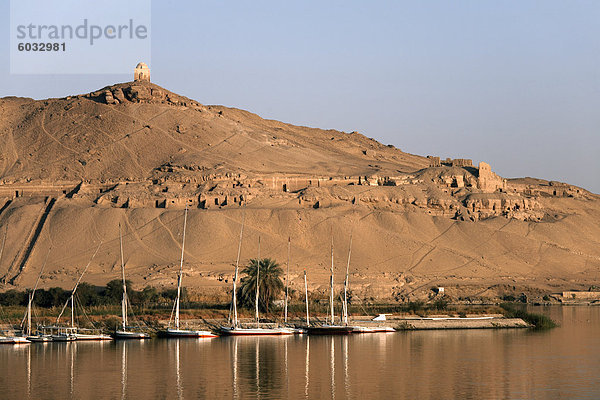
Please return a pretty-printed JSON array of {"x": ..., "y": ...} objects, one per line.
[
  {"x": 415, "y": 306},
  {"x": 509, "y": 297},
  {"x": 440, "y": 304},
  {"x": 539, "y": 321}
]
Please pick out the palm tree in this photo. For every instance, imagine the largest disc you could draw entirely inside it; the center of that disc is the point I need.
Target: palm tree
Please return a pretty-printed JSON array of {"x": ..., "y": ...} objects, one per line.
[{"x": 270, "y": 284}]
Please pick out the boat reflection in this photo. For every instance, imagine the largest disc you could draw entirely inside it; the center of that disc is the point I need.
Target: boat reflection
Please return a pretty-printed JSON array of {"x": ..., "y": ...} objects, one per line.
[
  {"x": 123, "y": 371},
  {"x": 259, "y": 364},
  {"x": 178, "y": 371},
  {"x": 306, "y": 367}
]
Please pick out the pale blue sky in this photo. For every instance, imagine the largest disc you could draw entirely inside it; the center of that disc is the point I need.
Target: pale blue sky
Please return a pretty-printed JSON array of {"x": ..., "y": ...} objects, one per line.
[{"x": 513, "y": 83}]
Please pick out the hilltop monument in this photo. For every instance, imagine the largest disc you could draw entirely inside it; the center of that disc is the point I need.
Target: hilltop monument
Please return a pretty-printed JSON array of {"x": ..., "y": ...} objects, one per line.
[{"x": 141, "y": 72}]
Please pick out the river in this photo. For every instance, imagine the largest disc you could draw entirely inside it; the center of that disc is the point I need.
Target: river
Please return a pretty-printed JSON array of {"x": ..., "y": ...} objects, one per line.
[{"x": 466, "y": 364}]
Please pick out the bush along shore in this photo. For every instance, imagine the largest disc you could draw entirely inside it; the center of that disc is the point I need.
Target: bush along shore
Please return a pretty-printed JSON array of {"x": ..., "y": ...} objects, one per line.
[{"x": 537, "y": 321}]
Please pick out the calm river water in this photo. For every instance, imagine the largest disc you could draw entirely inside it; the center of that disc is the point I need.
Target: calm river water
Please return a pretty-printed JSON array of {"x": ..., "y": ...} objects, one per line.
[{"x": 474, "y": 364}]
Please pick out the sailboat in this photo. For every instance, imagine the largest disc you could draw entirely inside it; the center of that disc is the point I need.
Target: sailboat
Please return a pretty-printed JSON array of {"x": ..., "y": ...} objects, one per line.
[
  {"x": 287, "y": 280},
  {"x": 10, "y": 339},
  {"x": 296, "y": 330},
  {"x": 71, "y": 333},
  {"x": 306, "y": 298},
  {"x": 14, "y": 340},
  {"x": 123, "y": 333},
  {"x": 357, "y": 328},
  {"x": 330, "y": 328},
  {"x": 235, "y": 329},
  {"x": 304, "y": 329},
  {"x": 28, "y": 332},
  {"x": 177, "y": 331}
]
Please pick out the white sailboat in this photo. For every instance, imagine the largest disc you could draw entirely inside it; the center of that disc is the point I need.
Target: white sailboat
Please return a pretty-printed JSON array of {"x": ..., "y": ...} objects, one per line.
[
  {"x": 28, "y": 333},
  {"x": 10, "y": 339},
  {"x": 287, "y": 279},
  {"x": 357, "y": 328},
  {"x": 13, "y": 340},
  {"x": 330, "y": 328},
  {"x": 296, "y": 330},
  {"x": 235, "y": 329},
  {"x": 123, "y": 333},
  {"x": 71, "y": 333},
  {"x": 177, "y": 331},
  {"x": 306, "y": 298}
]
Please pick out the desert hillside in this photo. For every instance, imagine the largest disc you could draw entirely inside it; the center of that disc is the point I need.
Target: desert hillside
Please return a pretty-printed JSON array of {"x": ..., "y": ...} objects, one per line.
[{"x": 134, "y": 154}]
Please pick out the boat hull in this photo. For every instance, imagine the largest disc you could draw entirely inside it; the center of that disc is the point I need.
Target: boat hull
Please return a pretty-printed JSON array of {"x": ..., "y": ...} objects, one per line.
[
  {"x": 79, "y": 337},
  {"x": 14, "y": 340},
  {"x": 92, "y": 337},
  {"x": 184, "y": 333},
  {"x": 82, "y": 337},
  {"x": 329, "y": 330},
  {"x": 40, "y": 339},
  {"x": 124, "y": 335},
  {"x": 63, "y": 338},
  {"x": 256, "y": 331}
]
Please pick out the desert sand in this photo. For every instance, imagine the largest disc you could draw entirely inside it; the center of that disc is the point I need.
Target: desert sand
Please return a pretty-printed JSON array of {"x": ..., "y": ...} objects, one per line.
[{"x": 72, "y": 169}]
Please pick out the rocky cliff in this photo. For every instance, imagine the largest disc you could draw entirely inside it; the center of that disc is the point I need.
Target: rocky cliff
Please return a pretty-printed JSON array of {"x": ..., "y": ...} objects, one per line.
[{"x": 72, "y": 169}]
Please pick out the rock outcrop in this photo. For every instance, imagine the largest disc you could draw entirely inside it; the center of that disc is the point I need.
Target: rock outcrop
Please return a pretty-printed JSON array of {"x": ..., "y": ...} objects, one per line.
[{"x": 136, "y": 154}]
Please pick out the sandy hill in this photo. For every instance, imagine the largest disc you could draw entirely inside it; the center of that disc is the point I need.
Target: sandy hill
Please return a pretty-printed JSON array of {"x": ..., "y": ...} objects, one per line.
[
  {"x": 135, "y": 154},
  {"x": 84, "y": 138}
]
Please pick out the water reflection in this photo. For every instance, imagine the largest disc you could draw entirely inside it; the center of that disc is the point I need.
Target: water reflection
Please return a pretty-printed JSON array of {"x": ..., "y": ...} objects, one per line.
[
  {"x": 307, "y": 364},
  {"x": 123, "y": 371},
  {"x": 259, "y": 365},
  {"x": 235, "y": 369},
  {"x": 28, "y": 372},
  {"x": 443, "y": 364},
  {"x": 177, "y": 371},
  {"x": 332, "y": 365}
]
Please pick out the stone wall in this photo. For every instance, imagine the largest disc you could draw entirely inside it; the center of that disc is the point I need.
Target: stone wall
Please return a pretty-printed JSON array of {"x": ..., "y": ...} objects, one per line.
[
  {"x": 489, "y": 182},
  {"x": 456, "y": 162},
  {"x": 581, "y": 295}
]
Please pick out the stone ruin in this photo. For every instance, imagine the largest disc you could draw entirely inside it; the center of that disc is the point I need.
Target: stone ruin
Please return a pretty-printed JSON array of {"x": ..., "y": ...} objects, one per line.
[
  {"x": 451, "y": 188},
  {"x": 141, "y": 72},
  {"x": 449, "y": 162},
  {"x": 489, "y": 181}
]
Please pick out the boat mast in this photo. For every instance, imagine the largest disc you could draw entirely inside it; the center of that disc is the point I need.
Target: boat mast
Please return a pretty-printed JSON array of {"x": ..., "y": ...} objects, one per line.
[
  {"x": 75, "y": 289},
  {"x": 331, "y": 284},
  {"x": 346, "y": 284},
  {"x": 32, "y": 294},
  {"x": 306, "y": 296},
  {"x": 2, "y": 248},
  {"x": 180, "y": 271},
  {"x": 72, "y": 311},
  {"x": 287, "y": 280},
  {"x": 28, "y": 332},
  {"x": 124, "y": 301},
  {"x": 257, "y": 284},
  {"x": 235, "y": 276}
]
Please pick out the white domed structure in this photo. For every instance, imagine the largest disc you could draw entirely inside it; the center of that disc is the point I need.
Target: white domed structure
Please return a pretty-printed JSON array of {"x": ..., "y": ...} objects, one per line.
[{"x": 141, "y": 72}]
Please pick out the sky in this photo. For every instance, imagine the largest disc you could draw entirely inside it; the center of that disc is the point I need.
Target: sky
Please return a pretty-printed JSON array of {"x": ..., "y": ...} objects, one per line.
[{"x": 512, "y": 83}]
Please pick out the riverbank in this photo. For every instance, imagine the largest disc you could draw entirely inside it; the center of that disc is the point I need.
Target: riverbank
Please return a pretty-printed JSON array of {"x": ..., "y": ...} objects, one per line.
[
  {"x": 464, "y": 323},
  {"x": 108, "y": 319},
  {"x": 399, "y": 323}
]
